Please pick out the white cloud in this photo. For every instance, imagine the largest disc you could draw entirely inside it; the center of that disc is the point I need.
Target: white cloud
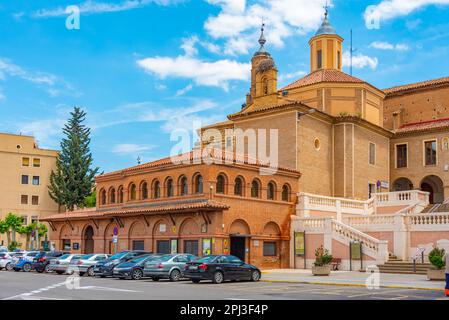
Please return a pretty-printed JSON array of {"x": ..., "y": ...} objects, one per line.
[
  {"x": 184, "y": 90},
  {"x": 129, "y": 148},
  {"x": 92, "y": 7},
  {"x": 215, "y": 74},
  {"x": 292, "y": 75},
  {"x": 360, "y": 61},
  {"x": 390, "y": 9},
  {"x": 188, "y": 45},
  {"x": 54, "y": 85},
  {"x": 381, "y": 45},
  {"x": 238, "y": 23}
]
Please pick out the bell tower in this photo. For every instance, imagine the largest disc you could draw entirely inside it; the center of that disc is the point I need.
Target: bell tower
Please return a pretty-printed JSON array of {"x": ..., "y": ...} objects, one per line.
[{"x": 326, "y": 47}]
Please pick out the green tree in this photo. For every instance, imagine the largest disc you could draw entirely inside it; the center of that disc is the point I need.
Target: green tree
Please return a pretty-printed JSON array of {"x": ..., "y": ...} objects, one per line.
[
  {"x": 91, "y": 200},
  {"x": 41, "y": 232},
  {"x": 73, "y": 179},
  {"x": 27, "y": 231},
  {"x": 13, "y": 222}
]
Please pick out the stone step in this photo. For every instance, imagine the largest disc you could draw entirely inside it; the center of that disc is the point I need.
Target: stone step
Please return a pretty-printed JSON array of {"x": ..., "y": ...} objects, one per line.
[{"x": 423, "y": 272}]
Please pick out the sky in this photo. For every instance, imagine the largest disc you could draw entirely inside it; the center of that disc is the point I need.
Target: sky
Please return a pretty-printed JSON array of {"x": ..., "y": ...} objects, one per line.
[{"x": 145, "y": 69}]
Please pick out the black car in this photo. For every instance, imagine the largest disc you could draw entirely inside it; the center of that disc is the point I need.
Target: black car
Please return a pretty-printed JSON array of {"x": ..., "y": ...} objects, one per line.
[
  {"x": 41, "y": 262},
  {"x": 219, "y": 268},
  {"x": 133, "y": 269},
  {"x": 105, "y": 268}
]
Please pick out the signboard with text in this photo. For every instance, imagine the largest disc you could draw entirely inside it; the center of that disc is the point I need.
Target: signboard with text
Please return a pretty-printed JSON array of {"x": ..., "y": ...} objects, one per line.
[{"x": 300, "y": 241}]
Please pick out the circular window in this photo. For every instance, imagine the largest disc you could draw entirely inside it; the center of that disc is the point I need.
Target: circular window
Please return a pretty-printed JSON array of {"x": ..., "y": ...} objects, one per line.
[{"x": 317, "y": 144}]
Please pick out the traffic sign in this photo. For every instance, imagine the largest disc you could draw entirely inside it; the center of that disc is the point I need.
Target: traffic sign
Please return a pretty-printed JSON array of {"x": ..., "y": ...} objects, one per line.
[{"x": 115, "y": 231}]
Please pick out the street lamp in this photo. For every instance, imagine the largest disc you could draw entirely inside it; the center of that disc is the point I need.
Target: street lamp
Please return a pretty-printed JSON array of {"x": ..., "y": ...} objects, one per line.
[{"x": 310, "y": 111}]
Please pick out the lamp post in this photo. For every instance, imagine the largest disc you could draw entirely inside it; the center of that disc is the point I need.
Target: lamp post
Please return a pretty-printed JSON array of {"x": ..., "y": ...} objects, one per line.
[{"x": 310, "y": 111}]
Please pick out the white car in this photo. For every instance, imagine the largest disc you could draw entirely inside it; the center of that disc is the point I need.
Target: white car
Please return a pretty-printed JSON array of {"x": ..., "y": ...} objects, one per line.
[
  {"x": 3, "y": 249},
  {"x": 61, "y": 265},
  {"x": 6, "y": 261}
]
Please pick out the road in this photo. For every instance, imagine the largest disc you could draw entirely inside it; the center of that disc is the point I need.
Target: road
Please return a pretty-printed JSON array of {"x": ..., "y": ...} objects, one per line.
[{"x": 34, "y": 286}]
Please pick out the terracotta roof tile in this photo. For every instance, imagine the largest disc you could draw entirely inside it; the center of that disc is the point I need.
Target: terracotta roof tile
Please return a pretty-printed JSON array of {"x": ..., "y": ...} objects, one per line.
[
  {"x": 423, "y": 126},
  {"x": 170, "y": 206},
  {"x": 325, "y": 75},
  {"x": 417, "y": 85}
]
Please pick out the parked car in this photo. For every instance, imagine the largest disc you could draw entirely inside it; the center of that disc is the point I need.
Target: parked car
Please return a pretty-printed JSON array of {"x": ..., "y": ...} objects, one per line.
[
  {"x": 219, "y": 268},
  {"x": 23, "y": 261},
  {"x": 41, "y": 261},
  {"x": 5, "y": 261},
  {"x": 3, "y": 249},
  {"x": 86, "y": 263},
  {"x": 133, "y": 269},
  {"x": 169, "y": 266},
  {"x": 104, "y": 268},
  {"x": 61, "y": 265}
]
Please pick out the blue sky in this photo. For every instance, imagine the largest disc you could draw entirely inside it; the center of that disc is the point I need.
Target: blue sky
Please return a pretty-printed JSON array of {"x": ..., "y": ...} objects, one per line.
[{"x": 143, "y": 68}]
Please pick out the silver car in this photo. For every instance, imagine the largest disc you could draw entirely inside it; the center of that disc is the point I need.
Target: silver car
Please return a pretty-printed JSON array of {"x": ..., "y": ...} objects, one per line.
[
  {"x": 169, "y": 266},
  {"x": 61, "y": 265},
  {"x": 6, "y": 261},
  {"x": 86, "y": 263}
]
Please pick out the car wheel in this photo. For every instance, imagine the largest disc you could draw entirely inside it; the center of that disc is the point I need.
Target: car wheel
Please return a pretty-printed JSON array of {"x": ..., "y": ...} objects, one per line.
[
  {"x": 8, "y": 267},
  {"x": 155, "y": 279},
  {"x": 196, "y": 280},
  {"x": 81, "y": 274},
  {"x": 26, "y": 267},
  {"x": 59, "y": 272},
  {"x": 16, "y": 269},
  {"x": 90, "y": 272},
  {"x": 47, "y": 268},
  {"x": 137, "y": 274},
  {"x": 218, "y": 277},
  {"x": 175, "y": 275},
  {"x": 255, "y": 276}
]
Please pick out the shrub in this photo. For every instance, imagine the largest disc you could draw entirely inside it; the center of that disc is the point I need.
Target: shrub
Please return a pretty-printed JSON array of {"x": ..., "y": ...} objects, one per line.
[
  {"x": 13, "y": 245},
  {"x": 436, "y": 258},
  {"x": 322, "y": 257}
]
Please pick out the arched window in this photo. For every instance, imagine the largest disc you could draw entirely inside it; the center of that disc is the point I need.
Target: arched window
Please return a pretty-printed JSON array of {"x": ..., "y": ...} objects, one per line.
[
  {"x": 255, "y": 189},
  {"x": 184, "y": 186},
  {"x": 265, "y": 86},
  {"x": 132, "y": 192},
  {"x": 238, "y": 187},
  {"x": 144, "y": 191},
  {"x": 220, "y": 184},
  {"x": 120, "y": 195},
  {"x": 169, "y": 186},
  {"x": 103, "y": 197},
  {"x": 157, "y": 190},
  {"x": 198, "y": 184},
  {"x": 285, "y": 193},
  {"x": 271, "y": 190},
  {"x": 112, "y": 196}
]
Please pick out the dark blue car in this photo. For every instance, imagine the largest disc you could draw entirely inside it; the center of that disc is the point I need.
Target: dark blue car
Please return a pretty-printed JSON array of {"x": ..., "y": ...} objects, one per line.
[{"x": 105, "y": 268}]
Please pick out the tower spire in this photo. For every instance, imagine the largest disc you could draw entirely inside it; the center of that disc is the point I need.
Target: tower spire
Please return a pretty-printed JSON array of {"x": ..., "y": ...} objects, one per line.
[
  {"x": 262, "y": 39},
  {"x": 326, "y": 9}
]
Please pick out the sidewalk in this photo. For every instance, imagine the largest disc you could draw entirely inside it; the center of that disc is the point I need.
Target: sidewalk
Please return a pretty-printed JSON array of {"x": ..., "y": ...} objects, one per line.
[{"x": 352, "y": 278}]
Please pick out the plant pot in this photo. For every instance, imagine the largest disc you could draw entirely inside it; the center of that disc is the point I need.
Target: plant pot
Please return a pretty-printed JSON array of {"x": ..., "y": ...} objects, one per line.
[
  {"x": 436, "y": 275},
  {"x": 321, "y": 271}
]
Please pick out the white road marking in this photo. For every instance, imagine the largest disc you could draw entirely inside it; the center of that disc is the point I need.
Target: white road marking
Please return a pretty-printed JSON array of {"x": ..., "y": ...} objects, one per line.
[
  {"x": 28, "y": 294},
  {"x": 106, "y": 289}
]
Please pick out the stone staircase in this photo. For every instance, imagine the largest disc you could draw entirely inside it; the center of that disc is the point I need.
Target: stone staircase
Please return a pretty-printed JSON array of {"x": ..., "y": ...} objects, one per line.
[{"x": 394, "y": 265}]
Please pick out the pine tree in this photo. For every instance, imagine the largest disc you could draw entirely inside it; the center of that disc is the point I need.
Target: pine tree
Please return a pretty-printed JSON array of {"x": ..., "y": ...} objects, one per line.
[{"x": 73, "y": 179}]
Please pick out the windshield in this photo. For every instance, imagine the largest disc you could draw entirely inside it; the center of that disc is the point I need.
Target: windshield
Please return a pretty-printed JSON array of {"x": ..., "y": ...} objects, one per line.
[
  {"x": 139, "y": 259},
  {"x": 206, "y": 259},
  {"x": 118, "y": 255},
  {"x": 87, "y": 256},
  {"x": 64, "y": 256},
  {"x": 165, "y": 258}
]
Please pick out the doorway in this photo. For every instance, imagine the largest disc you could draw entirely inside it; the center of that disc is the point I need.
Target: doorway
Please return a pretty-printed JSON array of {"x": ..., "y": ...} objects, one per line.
[
  {"x": 89, "y": 240},
  {"x": 238, "y": 247},
  {"x": 428, "y": 188},
  {"x": 433, "y": 185}
]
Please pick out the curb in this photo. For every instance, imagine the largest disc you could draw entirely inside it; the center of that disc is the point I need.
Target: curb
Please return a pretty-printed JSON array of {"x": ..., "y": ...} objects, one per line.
[{"x": 351, "y": 285}]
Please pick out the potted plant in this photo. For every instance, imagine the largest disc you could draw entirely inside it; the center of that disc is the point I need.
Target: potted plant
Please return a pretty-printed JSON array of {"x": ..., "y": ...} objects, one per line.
[
  {"x": 321, "y": 266},
  {"x": 436, "y": 259}
]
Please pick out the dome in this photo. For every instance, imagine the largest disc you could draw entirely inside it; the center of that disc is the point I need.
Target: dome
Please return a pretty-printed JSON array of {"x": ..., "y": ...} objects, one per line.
[
  {"x": 265, "y": 64},
  {"x": 326, "y": 28}
]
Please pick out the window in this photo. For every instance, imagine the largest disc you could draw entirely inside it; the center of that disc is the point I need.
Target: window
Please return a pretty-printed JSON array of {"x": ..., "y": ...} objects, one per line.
[
  {"x": 371, "y": 190},
  {"x": 24, "y": 199},
  {"x": 24, "y": 220},
  {"x": 319, "y": 59},
  {"x": 34, "y": 219},
  {"x": 163, "y": 246},
  {"x": 66, "y": 244},
  {"x": 198, "y": 184},
  {"x": 157, "y": 190},
  {"x": 170, "y": 188},
  {"x": 220, "y": 184},
  {"x": 270, "y": 191},
  {"x": 265, "y": 86},
  {"x": 338, "y": 59},
  {"x": 138, "y": 245},
  {"x": 285, "y": 193},
  {"x": 372, "y": 153},
  {"x": 26, "y": 162},
  {"x": 120, "y": 194},
  {"x": 228, "y": 142},
  {"x": 112, "y": 196},
  {"x": 317, "y": 144},
  {"x": 401, "y": 156},
  {"x": 36, "y": 180},
  {"x": 191, "y": 247},
  {"x": 103, "y": 197},
  {"x": 36, "y": 162},
  {"x": 269, "y": 248},
  {"x": 132, "y": 192},
  {"x": 430, "y": 150},
  {"x": 184, "y": 186},
  {"x": 24, "y": 179},
  {"x": 35, "y": 200},
  {"x": 144, "y": 191},
  {"x": 255, "y": 189},
  {"x": 238, "y": 187}
]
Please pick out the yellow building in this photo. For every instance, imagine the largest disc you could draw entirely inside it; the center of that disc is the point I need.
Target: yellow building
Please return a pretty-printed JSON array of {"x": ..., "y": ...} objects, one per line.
[{"x": 24, "y": 176}]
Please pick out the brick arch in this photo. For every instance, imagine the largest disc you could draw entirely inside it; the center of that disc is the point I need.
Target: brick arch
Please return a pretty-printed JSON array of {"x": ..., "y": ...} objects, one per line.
[
  {"x": 239, "y": 226},
  {"x": 271, "y": 229},
  {"x": 87, "y": 225},
  {"x": 65, "y": 232},
  {"x": 136, "y": 230},
  {"x": 156, "y": 231},
  {"x": 189, "y": 226},
  {"x": 109, "y": 230}
]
